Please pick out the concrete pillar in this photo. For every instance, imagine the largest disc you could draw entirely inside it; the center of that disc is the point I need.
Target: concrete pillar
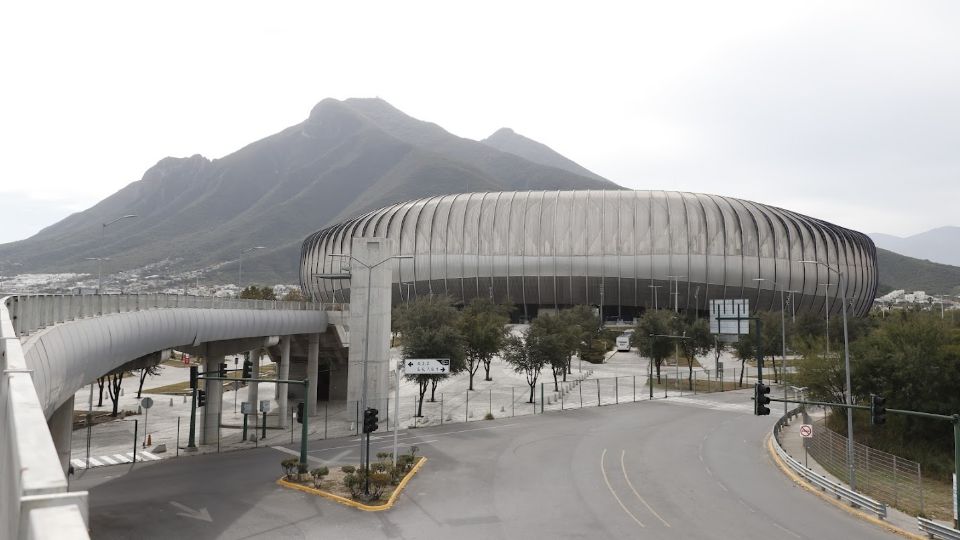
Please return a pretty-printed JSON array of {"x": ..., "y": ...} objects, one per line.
[
  {"x": 61, "y": 428},
  {"x": 313, "y": 373},
  {"x": 375, "y": 299},
  {"x": 283, "y": 374},
  {"x": 211, "y": 411},
  {"x": 253, "y": 396}
]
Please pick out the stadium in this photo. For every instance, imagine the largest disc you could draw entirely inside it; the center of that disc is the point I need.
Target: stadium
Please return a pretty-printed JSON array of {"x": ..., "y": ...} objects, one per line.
[{"x": 620, "y": 250}]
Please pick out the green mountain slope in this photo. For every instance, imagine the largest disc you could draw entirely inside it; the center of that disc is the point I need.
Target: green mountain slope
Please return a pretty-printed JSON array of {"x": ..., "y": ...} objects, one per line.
[{"x": 902, "y": 272}]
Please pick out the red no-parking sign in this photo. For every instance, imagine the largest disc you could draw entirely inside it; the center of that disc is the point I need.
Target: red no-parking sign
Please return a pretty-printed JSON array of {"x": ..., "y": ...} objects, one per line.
[{"x": 806, "y": 431}]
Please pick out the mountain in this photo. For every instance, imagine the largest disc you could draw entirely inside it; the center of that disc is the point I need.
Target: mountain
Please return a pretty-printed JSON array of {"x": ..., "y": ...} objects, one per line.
[
  {"x": 901, "y": 272},
  {"x": 940, "y": 245},
  {"x": 507, "y": 140},
  {"x": 347, "y": 157}
]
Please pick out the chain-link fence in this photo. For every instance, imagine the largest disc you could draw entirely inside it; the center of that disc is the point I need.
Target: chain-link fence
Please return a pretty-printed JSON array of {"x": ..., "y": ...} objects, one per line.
[{"x": 888, "y": 478}]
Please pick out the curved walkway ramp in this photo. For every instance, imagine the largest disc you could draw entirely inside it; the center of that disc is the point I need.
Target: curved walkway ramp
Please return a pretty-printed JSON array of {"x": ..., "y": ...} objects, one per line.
[{"x": 53, "y": 345}]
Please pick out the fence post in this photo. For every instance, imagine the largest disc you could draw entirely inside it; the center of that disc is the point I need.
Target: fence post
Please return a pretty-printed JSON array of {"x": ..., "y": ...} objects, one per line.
[
  {"x": 598, "y": 393},
  {"x": 326, "y": 410},
  {"x": 580, "y": 387},
  {"x": 490, "y": 404},
  {"x": 896, "y": 501},
  {"x": 541, "y": 398},
  {"x": 634, "y": 388},
  {"x": 561, "y": 400},
  {"x": 920, "y": 485},
  {"x": 178, "y": 436},
  {"x": 135, "y": 441},
  {"x": 513, "y": 403},
  {"x": 694, "y": 383},
  {"x": 466, "y": 413},
  {"x": 441, "y": 409}
]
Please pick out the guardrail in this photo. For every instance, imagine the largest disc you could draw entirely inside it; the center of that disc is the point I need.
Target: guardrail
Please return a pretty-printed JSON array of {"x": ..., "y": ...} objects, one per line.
[
  {"x": 838, "y": 490},
  {"x": 33, "y": 312},
  {"x": 936, "y": 530},
  {"x": 34, "y": 496}
]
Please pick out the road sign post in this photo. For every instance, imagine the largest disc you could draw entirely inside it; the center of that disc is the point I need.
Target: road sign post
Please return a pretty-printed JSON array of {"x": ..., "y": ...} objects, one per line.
[
  {"x": 146, "y": 403},
  {"x": 426, "y": 366}
]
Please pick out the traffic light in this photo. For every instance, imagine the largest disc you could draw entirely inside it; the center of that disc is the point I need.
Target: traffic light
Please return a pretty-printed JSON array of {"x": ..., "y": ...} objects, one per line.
[
  {"x": 300, "y": 412},
  {"x": 201, "y": 398},
  {"x": 193, "y": 376},
  {"x": 761, "y": 400},
  {"x": 223, "y": 369},
  {"x": 878, "y": 410},
  {"x": 247, "y": 369},
  {"x": 370, "y": 420}
]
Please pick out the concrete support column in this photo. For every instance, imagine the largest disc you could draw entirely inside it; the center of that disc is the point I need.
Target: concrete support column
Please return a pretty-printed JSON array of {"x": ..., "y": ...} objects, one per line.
[
  {"x": 313, "y": 373},
  {"x": 61, "y": 428},
  {"x": 283, "y": 374},
  {"x": 253, "y": 396},
  {"x": 370, "y": 303},
  {"x": 211, "y": 411}
]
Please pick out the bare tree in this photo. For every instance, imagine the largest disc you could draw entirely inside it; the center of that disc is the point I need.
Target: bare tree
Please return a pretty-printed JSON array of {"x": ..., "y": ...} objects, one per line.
[
  {"x": 113, "y": 388},
  {"x": 144, "y": 372}
]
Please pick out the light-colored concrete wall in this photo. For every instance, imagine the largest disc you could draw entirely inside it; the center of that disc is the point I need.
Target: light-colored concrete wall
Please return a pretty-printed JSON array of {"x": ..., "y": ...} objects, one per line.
[
  {"x": 371, "y": 252},
  {"x": 61, "y": 429},
  {"x": 211, "y": 411}
]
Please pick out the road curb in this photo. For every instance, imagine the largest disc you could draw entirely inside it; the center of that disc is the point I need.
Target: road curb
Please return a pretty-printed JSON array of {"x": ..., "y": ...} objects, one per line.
[
  {"x": 354, "y": 504},
  {"x": 850, "y": 510}
]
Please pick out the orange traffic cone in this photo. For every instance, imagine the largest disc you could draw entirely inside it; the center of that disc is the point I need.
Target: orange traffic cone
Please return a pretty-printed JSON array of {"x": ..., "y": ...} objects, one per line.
[{"x": 149, "y": 440}]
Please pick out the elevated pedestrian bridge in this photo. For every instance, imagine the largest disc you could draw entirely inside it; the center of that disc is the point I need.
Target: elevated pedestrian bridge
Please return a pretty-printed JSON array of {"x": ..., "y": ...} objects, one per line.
[{"x": 51, "y": 346}]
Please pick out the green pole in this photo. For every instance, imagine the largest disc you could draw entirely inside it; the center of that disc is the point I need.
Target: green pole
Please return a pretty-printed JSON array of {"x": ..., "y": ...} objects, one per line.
[
  {"x": 541, "y": 398},
  {"x": 306, "y": 420},
  {"x": 193, "y": 418},
  {"x": 244, "y": 427}
]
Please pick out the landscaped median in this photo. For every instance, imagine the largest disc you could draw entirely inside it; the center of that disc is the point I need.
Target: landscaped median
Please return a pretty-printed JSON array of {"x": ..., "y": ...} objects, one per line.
[{"x": 346, "y": 485}]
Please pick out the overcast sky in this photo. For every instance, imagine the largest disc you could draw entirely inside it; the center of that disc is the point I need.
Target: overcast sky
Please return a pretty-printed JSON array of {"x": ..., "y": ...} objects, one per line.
[{"x": 845, "y": 111}]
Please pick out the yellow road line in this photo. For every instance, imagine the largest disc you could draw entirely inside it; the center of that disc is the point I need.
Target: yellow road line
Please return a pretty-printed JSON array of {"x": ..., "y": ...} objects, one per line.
[
  {"x": 629, "y": 483},
  {"x": 614, "y": 493},
  {"x": 349, "y": 502},
  {"x": 839, "y": 504}
]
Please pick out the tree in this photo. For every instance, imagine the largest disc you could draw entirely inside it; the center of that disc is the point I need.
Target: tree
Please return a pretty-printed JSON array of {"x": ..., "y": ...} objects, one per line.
[
  {"x": 101, "y": 381},
  {"x": 745, "y": 349},
  {"x": 115, "y": 380},
  {"x": 822, "y": 375},
  {"x": 430, "y": 328},
  {"x": 522, "y": 353},
  {"x": 698, "y": 343},
  {"x": 294, "y": 295},
  {"x": 650, "y": 328},
  {"x": 583, "y": 328},
  {"x": 551, "y": 340},
  {"x": 254, "y": 292},
  {"x": 483, "y": 326},
  {"x": 144, "y": 372}
]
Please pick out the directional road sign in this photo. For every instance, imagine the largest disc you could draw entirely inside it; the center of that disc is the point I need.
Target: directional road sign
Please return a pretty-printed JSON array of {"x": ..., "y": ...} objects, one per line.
[
  {"x": 426, "y": 366},
  {"x": 806, "y": 431}
]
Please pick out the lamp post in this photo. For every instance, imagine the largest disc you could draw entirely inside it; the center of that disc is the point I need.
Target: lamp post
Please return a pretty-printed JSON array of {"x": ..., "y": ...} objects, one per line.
[
  {"x": 365, "y": 459},
  {"x": 846, "y": 362},
  {"x": 240, "y": 267},
  {"x": 103, "y": 234},
  {"x": 826, "y": 300},
  {"x": 656, "y": 304}
]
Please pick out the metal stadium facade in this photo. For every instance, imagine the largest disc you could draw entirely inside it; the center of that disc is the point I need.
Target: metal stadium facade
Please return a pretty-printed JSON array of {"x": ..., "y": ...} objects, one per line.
[{"x": 624, "y": 251}]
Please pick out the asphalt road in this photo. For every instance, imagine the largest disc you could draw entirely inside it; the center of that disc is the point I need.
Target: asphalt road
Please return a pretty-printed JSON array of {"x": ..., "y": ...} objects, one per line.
[{"x": 661, "y": 469}]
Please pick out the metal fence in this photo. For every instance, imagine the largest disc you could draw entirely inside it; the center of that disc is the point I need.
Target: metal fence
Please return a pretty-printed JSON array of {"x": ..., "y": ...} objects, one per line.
[{"x": 888, "y": 478}]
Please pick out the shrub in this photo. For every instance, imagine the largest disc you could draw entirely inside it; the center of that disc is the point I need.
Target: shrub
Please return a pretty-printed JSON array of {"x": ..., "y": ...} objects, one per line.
[
  {"x": 318, "y": 475},
  {"x": 290, "y": 467},
  {"x": 349, "y": 469},
  {"x": 379, "y": 466},
  {"x": 378, "y": 483},
  {"x": 413, "y": 450},
  {"x": 488, "y": 416},
  {"x": 384, "y": 456}
]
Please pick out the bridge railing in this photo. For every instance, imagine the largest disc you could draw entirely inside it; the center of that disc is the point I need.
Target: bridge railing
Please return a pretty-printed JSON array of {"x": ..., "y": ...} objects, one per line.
[
  {"x": 33, "y": 312},
  {"x": 34, "y": 496}
]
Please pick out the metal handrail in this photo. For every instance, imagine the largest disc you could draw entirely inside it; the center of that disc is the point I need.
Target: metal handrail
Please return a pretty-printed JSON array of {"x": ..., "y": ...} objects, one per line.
[
  {"x": 937, "y": 530},
  {"x": 825, "y": 484}
]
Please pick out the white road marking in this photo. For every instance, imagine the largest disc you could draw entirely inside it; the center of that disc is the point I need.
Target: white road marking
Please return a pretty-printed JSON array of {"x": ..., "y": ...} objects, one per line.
[
  {"x": 106, "y": 459},
  {"x": 747, "y": 506},
  {"x": 786, "y": 530},
  {"x": 614, "y": 493},
  {"x": 122, "y": 458},
  {"x": 723, "y": 487},
  {"x": 414, "y": 440},
  {"x": 629, "y": 483},
  {"x": 200, "y": 514},
  {"x": 149, "y": 456}
]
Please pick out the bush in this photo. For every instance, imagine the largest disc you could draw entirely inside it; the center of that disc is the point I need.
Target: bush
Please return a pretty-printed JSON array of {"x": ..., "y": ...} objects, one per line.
[
  {"x": 318, "y": 475},
  {"x": 290, "y": 467},
  {"x": 349, "y": 469},
  {"x": 488, "y": 416},
  {"x": 378, "y": 483},
  {"x": 384, "y": 456},
  {"x": 379, "y": 466},
  {"x": 413, "y": 450},
  {"x": 353, "y": 482}
]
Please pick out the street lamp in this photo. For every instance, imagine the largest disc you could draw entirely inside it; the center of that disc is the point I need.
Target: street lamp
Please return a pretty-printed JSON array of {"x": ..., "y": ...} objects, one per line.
[
  {"x": 846, "y": 362},
  {"x": 826, "y": 300},
  {"x": 365, "y": 459},
  {"x": 676, "y": 293},
  {"x": 240, "y": 268},
  {"x": 103, "y": 232},
  {"x": 656, "y": 304},
  {"x": 783, "y": 338}
]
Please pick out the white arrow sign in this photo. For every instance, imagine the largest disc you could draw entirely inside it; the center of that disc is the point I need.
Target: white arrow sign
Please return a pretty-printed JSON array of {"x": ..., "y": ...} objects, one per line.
[
  {"x": 201, "y": 514},
  {"x": 426, "y": 366}
]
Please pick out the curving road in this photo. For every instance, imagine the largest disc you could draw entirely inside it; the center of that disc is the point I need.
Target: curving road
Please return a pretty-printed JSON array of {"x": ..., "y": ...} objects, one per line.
[{"x": 678, "y": 468}]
